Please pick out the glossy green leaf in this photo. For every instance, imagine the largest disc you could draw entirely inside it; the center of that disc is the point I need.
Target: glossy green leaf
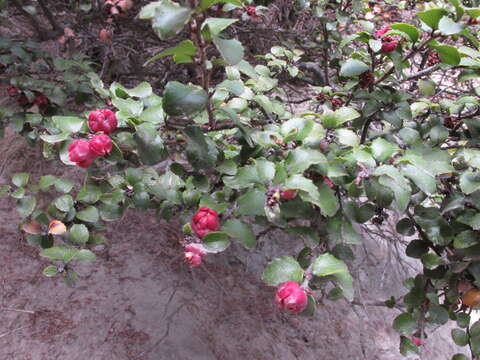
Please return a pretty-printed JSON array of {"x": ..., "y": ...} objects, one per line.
[
  {"x": 240, "y": 231},
  {"x": 281, "y": 270},
  {"x": 326, "y": 265},
  {"x": 183, "y": 99}
]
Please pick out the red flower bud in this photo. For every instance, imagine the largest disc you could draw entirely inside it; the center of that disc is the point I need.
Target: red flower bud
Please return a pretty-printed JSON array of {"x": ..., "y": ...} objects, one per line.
[
  {"x": 79, "y": 153},
  {"x": 389, "y": 44},
  {"x": 292, "y": 297},
  {"x": 100, "y": 145},
  {"x": 23, "y": 100},
  {"x": 205, "y": 221},
  {"x": 417, "y": 341},
  {"x": 13, "y": 91},
  {"x": 41, "y": 100},
  {"x": 382, "y": 31},
  {"x": 288, "y": 194},
  {"x": 103, "y": 120}
]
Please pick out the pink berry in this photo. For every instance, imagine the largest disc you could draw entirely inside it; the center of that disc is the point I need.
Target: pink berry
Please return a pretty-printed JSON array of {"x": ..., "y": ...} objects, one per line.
[
  {"x": 205, "y": 221},
  {"x": 79, "y": 153},
  {"x": 100, "y": 145},
  {"x": 291, "y": 297},
  {"x": 102, "y": 120}
]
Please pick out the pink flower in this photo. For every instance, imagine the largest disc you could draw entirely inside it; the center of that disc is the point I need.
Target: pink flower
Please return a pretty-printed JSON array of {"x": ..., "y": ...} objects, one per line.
[
  {"x": 292, "y": 297},
  {"x": 193, "y": 254}
]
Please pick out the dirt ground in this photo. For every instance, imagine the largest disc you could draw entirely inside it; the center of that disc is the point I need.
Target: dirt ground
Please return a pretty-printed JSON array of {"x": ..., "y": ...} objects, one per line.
[{"x": 139, "y": 301}]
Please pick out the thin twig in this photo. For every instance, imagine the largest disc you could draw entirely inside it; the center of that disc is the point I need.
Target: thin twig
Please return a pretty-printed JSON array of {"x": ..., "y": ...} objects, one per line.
[{"x": 18, "y": 310}]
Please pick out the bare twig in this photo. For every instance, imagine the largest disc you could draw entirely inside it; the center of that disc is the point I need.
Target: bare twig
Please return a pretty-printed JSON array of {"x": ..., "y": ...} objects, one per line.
[{"x": 18, "y": 310}]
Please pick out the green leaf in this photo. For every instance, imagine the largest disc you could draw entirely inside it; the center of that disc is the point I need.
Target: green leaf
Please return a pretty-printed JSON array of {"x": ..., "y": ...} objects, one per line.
[
  {"x": 26, "y": 205},
  {"x": 63, "y": 185},
  {"x": 64, "y": 203},
  {"x": 431, "y": 260},
  {"x": 142, "y": 90},
  {"x": 459, "y": 337},
  {"x": 251, "y": 203},
  {"x": 46, "y": 181},
  {"x": 394, "y": 180},
  {"x": 353, "y": 67},
  {"x": 129, "y": 107},
  {"x": 300, "y": 159},
  {"x": 182, "y": 53},
  {"x": 50, "y": 271},
  {"x": 382, "y": 149},
  {"x": 281, "y": 270},
  {"x": 473, "y": 12},
  {"x": 240, "y": 231},
  {"x": 449, "y": 27},
  {"x": 20, "y": 179},
  {"x": 425, "y": 181},
  {"x": 408, "y": 347},
  {"x": 432, "y": 17},
  {"x": 53, "y": 139},
  {"x": 345, "y": 114},
  {"x": 183, "y": 99},
  {"x": 322, "y": 196},
  {"x": 89, "y": 214},
  {"x": 458, "y": 8},
  {"x": 347, "y": 137},
  {"x": 326, "y": 265},
  {"x": 470, "y": 182},
  {"x": 408, "y": 29},
  {"x": 84, "y": 255},
  {"x": 59, "y": 253},
  {"x": 69, "y": 124},
  {"x": 405, "y": 227},
  {"x": 201, "y": 150},
  {"x": 448, "y": 54},
  {"x": 426, "y": 87},
  {"x": 231, "y": 50},
  {"x": 459, "y": 357},
  {"x": 168, "y": 18},
  {"x": 260, "y": 172},
  {"x": 217, "y": 25},
  {"x": 405, "y": 324},
  {"x": 417, "y": 248},
  {"x": 216, "y": 241},
  {"x": 78, "y": 234},
  {"x": 89, "y": 194},
  {"x": 150, "y": 144}
]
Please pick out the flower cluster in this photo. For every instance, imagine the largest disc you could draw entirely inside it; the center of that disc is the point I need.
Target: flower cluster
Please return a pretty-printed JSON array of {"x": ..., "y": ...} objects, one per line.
[{"x": 83, "y": 152}]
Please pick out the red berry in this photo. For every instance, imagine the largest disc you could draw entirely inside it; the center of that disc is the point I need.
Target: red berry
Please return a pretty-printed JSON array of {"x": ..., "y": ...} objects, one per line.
[
  {"x": 100, "y": 145},
  {"x": 205, "y": 221},
  {"x": 288, "y": 194},
  {"x": 102, "y": 120},
  {"x": 251, "y": 11},
  {"x": 292, "y": 297},
  {"x": 79, "y": 153}
]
